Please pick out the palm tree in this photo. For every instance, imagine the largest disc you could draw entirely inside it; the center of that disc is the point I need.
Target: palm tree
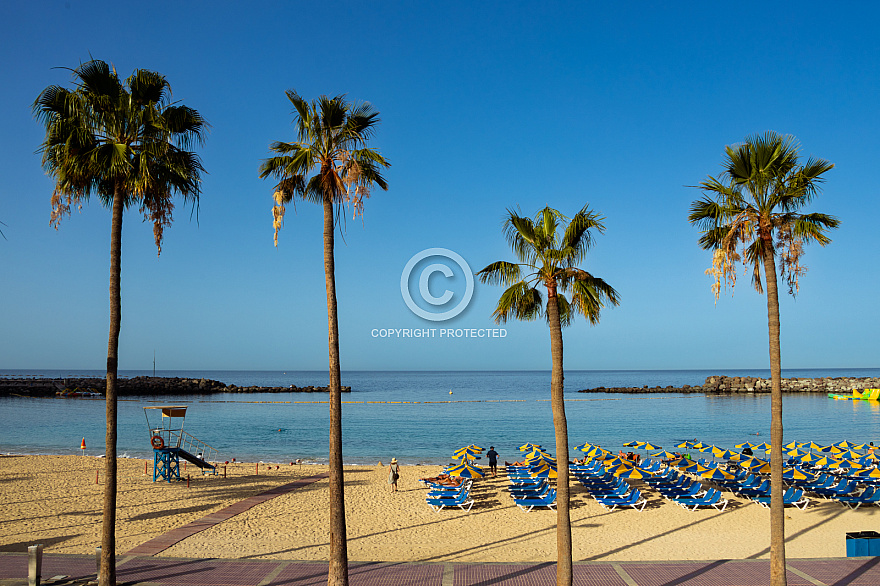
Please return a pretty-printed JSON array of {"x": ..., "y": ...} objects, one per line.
[
  {"x": 126, "y": 143},
  {"x": 548, "y": 258},
  {"x": 331, "y": 143},
  {"x": 753, "y": 206}
]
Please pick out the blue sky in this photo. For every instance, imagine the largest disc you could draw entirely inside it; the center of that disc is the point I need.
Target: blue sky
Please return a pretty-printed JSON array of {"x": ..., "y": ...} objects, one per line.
[{"x": 621, "y": 106}]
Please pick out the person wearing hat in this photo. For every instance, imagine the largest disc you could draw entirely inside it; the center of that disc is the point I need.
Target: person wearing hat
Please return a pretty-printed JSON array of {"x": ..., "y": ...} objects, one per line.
[{"x": 393, "y": 474}]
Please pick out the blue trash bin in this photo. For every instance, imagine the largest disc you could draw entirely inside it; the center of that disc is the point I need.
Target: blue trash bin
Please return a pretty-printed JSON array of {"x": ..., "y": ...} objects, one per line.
[{"x": 862, "y": 544}]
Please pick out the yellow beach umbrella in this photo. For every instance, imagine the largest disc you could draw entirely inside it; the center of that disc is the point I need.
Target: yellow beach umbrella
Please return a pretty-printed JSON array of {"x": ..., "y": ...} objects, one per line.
[
  {"x": 795, "y": 474},
  {"x": 835, "y": 450},
  {"x": 716, "y": 474},
  {"x": 868, "y": 473},
  {"x": 685, "y": 446},
  {"x": 635, "y": 473},
  {"x": 466, "y": 471},
  {"x": 765, "y": 469},
  {"x": 750, "y": 445},
  {"x": 793, "y": 445},
  {"x": 815, "y": 446},
  {"x": 727, "y": 455},
  {"x": 665, "y": 455},
  {"x": 845, "y": 445},
  {"x": 549, "y": 471},
  {"x": 851, "y": 455},
  {"x": 633, "y": 444},
  {"x": 647, "y": 446},
  {"x": 528, "y": 447}
]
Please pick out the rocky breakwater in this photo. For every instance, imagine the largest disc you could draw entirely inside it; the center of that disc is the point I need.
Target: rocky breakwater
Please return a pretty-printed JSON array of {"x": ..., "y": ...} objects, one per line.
[
  {"x": 750, "y": 385},
  {"x": 140, "y": 385}
]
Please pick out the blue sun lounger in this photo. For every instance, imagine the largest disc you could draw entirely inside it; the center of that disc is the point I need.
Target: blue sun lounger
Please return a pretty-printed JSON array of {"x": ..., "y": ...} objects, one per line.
[
  {"x": 712, "y": 498},
  {"x": 462, "y": 500},
  {"x": 870, "y": 496},
  {"x": 793, "y": 496},
  {"x": 633, "y": 499},
  {"x": 528, "y": 503}
]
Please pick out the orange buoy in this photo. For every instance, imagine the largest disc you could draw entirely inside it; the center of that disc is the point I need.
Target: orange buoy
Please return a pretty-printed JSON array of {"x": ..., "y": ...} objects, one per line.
[
  {"x": 82, "y": 445},
  {"x": 157, "y": 442}
]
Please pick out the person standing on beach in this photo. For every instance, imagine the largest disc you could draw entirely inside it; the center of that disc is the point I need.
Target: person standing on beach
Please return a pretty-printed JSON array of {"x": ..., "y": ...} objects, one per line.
[
  {"x": 393, "y": 474},
  {"x": 493, "y": 461}
]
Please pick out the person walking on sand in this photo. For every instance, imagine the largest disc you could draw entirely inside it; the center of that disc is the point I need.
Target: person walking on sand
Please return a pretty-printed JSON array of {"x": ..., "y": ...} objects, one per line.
[
  {"x": 393, "y": 474},
  {"x": 493, "y": 461}
]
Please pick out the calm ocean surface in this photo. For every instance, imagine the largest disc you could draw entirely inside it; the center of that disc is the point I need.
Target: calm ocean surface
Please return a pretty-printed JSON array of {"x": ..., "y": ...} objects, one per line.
[{"x": 504, "y": 409}]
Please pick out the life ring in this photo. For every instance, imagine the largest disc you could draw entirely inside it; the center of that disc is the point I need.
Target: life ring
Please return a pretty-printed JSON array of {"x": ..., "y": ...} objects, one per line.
[{"x": 157, "y": 442}]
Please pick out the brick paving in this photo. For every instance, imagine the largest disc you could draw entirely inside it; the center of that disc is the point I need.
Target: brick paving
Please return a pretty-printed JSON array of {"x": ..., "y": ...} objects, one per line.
[
  {"x": 175, "y": 536},
  {"x": 152, "y": 571}
]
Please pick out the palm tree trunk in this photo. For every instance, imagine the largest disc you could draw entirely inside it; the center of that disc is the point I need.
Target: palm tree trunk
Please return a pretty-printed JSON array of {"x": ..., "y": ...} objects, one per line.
[
  {"x": 560, "y": 425},
  {"x": 777, "y": 514},
  {"x": 108, "y": 528},
  {"x": 338, "y": 575}
]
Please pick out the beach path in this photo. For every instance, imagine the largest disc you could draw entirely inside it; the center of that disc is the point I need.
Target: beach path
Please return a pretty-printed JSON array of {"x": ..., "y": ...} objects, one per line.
[{"x": 178, "y": 534}]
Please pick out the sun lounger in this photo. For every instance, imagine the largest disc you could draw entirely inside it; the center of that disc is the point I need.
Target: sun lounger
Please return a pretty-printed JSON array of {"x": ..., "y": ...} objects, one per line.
[
  {"x": 793, "y": 496},
  {"x": 761, "y": 490},
  {"x": 870, "y": 496},
  {"x": 633, "y": 499},
  {"x": 527, "y": 504},
  {"x": 461, "y": 501},
  {"x": 695, "y": 490},
  {"x": 712, "y": 498},
  {"x": 842, "y": 488}
]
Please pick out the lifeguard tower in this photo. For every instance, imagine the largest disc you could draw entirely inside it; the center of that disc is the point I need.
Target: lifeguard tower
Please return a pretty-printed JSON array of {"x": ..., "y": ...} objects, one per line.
[{"x": 170, "y": 443}]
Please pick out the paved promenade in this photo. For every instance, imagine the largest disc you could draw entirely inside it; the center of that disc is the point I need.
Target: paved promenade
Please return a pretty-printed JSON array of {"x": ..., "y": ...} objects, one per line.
[{"x": 148, "y": 571}]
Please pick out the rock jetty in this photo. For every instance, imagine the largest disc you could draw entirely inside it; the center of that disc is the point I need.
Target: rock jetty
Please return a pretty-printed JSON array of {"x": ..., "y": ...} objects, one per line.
[
  {"x": 722, "y": 385},
  {"x": 140, "y": 385}
]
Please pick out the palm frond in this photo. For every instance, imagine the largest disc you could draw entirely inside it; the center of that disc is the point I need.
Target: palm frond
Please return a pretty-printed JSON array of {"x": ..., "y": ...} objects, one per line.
[{"x": 500, "y": 273}]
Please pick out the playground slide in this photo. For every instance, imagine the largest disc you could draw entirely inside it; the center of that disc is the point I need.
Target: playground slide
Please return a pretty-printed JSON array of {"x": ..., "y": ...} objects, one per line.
[{"x": 195, "y": 460}]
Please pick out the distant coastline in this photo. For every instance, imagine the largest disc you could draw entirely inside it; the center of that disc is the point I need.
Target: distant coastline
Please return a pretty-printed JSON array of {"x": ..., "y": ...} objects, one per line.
[
  {"x": 749, "y": 384},
  {"x": 139, "y": 385}
]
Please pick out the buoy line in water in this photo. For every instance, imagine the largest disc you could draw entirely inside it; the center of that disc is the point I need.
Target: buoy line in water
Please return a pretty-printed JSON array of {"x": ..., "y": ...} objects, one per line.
[{"x": 433, "y": 402}]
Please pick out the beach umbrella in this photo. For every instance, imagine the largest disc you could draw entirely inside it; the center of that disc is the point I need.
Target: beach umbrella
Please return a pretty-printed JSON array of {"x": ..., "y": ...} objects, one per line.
[
  {"x": 861, "y": 447},
  {"x": 868, "y": 473},
  {"x": 466, "y": 450},
  {"x": 737, "y": 457},
  {"x": 834, "y": 450},
  {"x": 796, "y": 474},
  {"x": 681, "y": 462},
  {"x": 615, "y": 461},
  {"x": 793, "y": 445},
  {"x": 757, "y": 463},
  {"x": 810, "y": 457},
  {"x": 528, "y": 447},
  {"x": 466, "y": 471},
  {"x": 851, "y": 455},
  {"x": 685, "y": 445},
  {"x": 665, "y": 455},
  {"x": 823, "y": 462},
  {"x": 633, "y": 444},
  {"x": 476, "y": 447},
  {"x": 750, "y": 445},
  {"x": 647, "y": 446},
  {"x": 763, "y": 469},
  {"x": 716, "y": 474},
  {"x": 635, "y": 473},
  {"x": 844, "y": 444},
  {"x": 698, "y": 446},
  {"x": 763, "y": 446},
  {"x": 728, "y": 455},
  {"x": 584, "y": 447},
  {"x": 600, "y": 454},
  {"x": 689, "y": 467},
  {"x": 870, "y": 457},
  {"x": 543, "y": 471}
]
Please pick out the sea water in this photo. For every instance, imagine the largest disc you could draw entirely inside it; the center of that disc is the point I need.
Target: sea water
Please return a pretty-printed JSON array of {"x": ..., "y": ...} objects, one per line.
[{"x": 412, "y": 415}]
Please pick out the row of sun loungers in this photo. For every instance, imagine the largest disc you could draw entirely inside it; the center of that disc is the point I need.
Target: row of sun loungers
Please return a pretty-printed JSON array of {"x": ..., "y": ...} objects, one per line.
[
  {"x": 440, "y": 496},
  {"x": 529, "y": 492}
]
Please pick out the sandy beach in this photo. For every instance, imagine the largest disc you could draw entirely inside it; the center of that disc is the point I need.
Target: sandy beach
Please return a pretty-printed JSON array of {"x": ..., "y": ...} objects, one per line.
[{"x": 54, "y": 500}]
